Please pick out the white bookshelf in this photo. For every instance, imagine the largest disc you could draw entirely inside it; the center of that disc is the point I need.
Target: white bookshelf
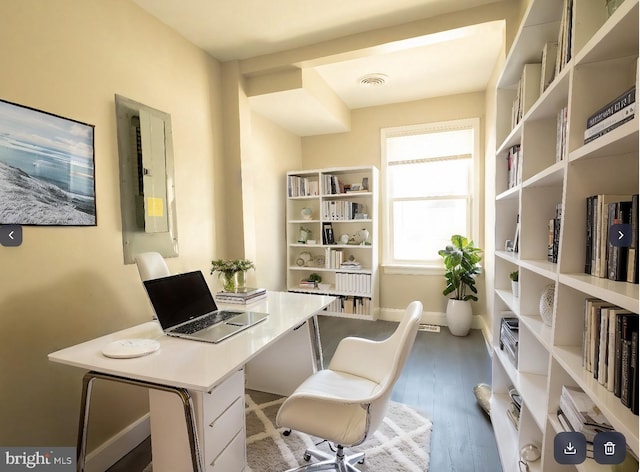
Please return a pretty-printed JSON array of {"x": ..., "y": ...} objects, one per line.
[
  {"x": 357, "y": 289},
  {"x": 603, "y": 65}
]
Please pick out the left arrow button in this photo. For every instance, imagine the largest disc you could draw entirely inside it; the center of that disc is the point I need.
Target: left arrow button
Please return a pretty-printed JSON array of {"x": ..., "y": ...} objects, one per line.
[{"x": 10, "y": 235}]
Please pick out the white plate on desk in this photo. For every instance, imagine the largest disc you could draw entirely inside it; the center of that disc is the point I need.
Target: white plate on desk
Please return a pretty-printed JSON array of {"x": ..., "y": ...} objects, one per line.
[{"x": 129, "y": 348}]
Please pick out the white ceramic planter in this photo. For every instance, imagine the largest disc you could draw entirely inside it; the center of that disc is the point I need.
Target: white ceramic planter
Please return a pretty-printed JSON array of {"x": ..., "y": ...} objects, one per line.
[
  {"x": 459, "y": 317},
  {"x": 515, "y": 288}
]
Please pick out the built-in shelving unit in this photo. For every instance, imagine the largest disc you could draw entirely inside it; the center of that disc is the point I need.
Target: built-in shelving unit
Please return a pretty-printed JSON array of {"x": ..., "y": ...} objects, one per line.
[
  {"x": 602, "y": 64},
  {"x": 344, "y": 202}
]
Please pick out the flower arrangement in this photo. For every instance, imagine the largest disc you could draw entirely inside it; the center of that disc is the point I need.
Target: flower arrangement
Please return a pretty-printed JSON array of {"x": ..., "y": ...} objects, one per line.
[{"x": 227, "y": 269}]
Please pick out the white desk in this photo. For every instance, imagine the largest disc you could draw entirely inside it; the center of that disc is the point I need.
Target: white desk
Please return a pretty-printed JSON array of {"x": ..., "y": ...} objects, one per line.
[{"x": 206, "y": 377}]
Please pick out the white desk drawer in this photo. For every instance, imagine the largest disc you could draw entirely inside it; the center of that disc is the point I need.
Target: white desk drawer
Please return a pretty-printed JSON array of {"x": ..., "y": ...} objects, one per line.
[
  {"x": 232, "y": 459},
  {"x": 222, "y": 396},
  {"x": 219, "y": 434}
]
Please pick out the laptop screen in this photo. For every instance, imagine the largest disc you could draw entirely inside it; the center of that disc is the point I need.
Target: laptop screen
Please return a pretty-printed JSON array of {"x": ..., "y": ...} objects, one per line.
[{"x": 179, "y": 298}]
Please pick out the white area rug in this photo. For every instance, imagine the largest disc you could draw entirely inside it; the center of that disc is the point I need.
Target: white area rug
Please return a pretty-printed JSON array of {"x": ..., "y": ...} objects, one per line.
[{"x": 400, "y": 444}]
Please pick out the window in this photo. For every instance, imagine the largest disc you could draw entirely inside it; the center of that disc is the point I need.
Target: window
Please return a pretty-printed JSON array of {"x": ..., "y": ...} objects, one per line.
[{"x": 429, "y": 174}]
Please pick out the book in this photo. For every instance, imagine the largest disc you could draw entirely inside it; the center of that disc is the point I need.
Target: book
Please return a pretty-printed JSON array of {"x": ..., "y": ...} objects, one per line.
[
  {"x": 241, "y": 301},
  {"x": 547, "y": 73},
  {"x": 611, "y": 108},
  {"x": 634, "y": 371},
  {"x": 589, "y": 234},
  {"x": 632, "y": 256},
  {"x": 629, "y": 325},
  {"x": 561, "y": 134},
  {"x": 619, "y": 213},
  {"x": 619, "y": 315},
  {"x": 554, "y": 240}
]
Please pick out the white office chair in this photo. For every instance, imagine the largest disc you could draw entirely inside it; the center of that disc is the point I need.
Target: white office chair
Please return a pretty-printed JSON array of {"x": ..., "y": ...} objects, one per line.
[
  {"x": 151, "y": 265},
  {"x": 346, "y": 402}
]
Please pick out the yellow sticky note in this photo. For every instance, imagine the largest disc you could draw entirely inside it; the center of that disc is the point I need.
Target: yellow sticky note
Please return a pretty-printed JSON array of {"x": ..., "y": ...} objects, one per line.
[{"x": 155, "y": 206}]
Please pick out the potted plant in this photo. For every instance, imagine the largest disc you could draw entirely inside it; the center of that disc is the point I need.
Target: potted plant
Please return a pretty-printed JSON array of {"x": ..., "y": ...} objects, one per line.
[
  {"x": 515, "y": 286},
  {"x": 462, "y": 264},
  {"x": 233, "y": 272}
]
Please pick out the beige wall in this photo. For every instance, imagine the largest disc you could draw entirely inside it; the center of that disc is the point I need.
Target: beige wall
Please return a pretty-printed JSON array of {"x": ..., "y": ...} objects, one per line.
[
  {"x": 361, "y": 146},
  {"x": 274, "y": 151},
  {"x": 66, "y": 285}
]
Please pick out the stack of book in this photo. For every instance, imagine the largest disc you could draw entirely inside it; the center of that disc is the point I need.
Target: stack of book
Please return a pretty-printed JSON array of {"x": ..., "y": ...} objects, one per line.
[
  {"x": 308, "y": 284},
  {"x": 242, "y": 296},
  {"x": 513, "y": 412},
  {"x": 579, "y": 414},
  {"x": 610, "y": 349},
  {"x": 602, "y": 257},
  {"x": 509, "y": 334},
  {"x": 613, "y": 114}
]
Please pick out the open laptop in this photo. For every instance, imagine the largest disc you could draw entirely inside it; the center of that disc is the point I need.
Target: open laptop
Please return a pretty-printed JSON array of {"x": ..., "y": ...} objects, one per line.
[{"x": 185, "y": 309}]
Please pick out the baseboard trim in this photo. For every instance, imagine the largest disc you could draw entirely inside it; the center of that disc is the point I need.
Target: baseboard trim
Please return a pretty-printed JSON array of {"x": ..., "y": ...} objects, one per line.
[
  {"x": 428, "y": 317},
  {"x": 119, "y": 445}
]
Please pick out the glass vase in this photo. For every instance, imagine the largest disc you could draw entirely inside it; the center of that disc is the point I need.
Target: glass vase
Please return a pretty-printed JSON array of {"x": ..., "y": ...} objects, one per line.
[
  {"x": 229, "y": 281},
  {"x": 241, "y": 280}
]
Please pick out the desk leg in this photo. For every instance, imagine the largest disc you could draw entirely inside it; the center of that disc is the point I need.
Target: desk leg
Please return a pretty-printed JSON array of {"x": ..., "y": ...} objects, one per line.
[
  {"x": 85, "y": 406},
  {"x": 314, "y": 332}
]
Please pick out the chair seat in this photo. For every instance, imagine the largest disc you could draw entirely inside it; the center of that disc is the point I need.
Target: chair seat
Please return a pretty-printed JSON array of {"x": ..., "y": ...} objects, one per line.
[{"x": 326, "y": 405}]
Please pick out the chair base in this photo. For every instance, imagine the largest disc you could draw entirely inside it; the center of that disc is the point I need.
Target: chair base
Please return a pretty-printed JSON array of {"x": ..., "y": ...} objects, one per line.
[{"x": 338, "y": 462}]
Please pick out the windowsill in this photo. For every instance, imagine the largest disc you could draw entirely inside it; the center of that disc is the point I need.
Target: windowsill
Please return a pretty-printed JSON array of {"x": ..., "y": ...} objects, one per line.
[{"x": 399, "y": 269}]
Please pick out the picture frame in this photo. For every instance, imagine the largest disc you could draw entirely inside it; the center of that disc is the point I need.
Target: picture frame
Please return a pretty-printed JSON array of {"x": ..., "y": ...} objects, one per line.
[
  {"x": 327, "y": 233},
  {"x": 47, "y": 168}
]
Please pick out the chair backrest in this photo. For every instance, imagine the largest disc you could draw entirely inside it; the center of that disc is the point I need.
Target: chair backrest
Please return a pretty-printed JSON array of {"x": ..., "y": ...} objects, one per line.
[{"x": 151, "y": 265}]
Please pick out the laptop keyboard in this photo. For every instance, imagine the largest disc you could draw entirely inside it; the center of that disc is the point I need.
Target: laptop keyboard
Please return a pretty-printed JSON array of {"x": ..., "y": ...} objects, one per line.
[{"x": 205, "y": 322}]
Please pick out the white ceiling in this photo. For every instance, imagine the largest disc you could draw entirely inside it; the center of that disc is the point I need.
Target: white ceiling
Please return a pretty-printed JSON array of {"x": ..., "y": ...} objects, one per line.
[{"x": 448, "y": 63}]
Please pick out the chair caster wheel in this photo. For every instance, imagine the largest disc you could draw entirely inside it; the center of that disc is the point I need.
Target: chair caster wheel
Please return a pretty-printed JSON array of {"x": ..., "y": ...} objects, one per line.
[
  {"x": 361, "y": 461},
  {"x": 286, "y": 432},
  {"x": 306, "y": 457}
]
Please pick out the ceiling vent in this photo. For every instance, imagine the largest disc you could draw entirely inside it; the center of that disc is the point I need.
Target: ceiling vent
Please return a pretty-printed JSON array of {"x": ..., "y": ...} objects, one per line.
[{"x": 373, "y": 80}]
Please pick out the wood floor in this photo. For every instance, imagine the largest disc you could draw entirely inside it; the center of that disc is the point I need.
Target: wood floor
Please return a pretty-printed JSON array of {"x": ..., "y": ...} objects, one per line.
[{"x": 437, "y": 380}]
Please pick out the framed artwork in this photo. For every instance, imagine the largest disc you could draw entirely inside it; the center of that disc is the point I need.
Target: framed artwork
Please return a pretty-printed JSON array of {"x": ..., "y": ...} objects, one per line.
[{"x": 47, "y": 168}]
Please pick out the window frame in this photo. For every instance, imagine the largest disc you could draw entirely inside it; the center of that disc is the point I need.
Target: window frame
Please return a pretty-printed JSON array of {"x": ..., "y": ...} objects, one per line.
[{"x": 390, "y": 265}]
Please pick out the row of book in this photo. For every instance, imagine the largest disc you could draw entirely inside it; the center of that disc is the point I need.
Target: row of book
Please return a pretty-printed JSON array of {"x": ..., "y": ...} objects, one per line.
[
  {"x": 340, "y": 210},
  {"x": 358, "y": 284},
  {"x": 554, "y": 235},
  {"x": 609, "y": 117},
  {"x": 351, "y": 305},
  {"x": 302, "y": 186},
  {"x": 565, "y": 36},
  {"x": 242, "y": 296},
  {"x": 603, "y": 256},
  {"x": 527, "y": 92},
  {"x": 610, "y": 349},
  {"x": 514, "y": 166}
]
